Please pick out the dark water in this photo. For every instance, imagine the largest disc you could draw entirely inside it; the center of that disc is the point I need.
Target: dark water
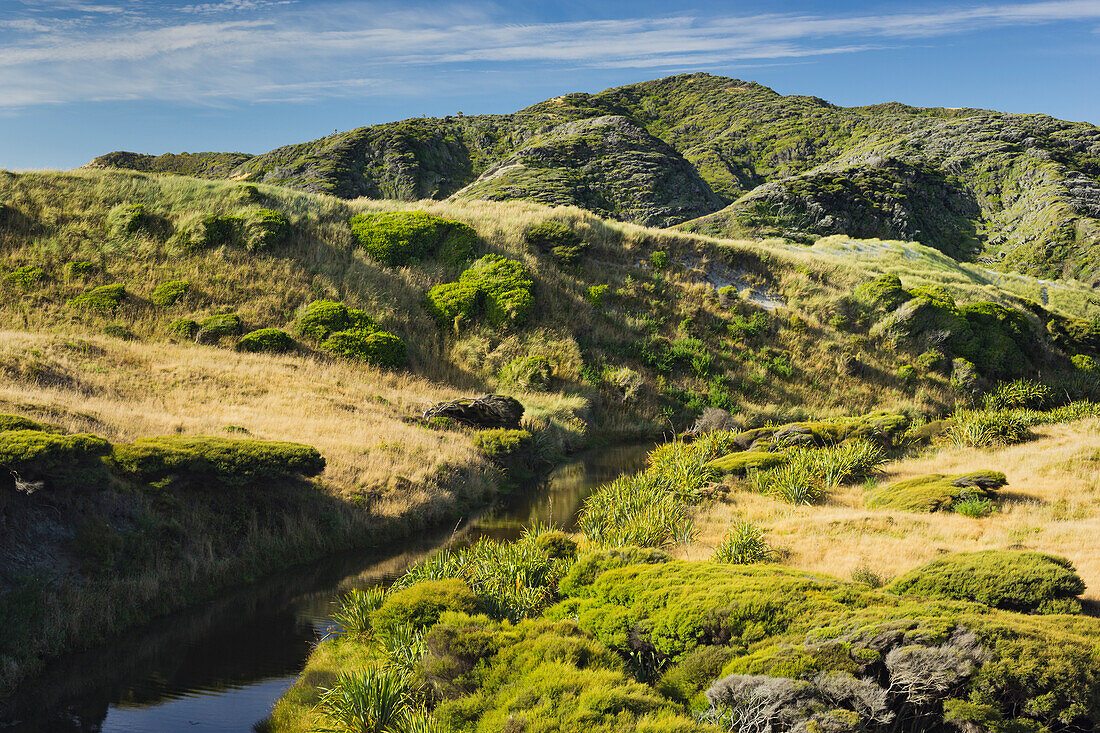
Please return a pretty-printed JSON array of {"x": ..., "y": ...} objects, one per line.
[{"x": 221, "y": 666}]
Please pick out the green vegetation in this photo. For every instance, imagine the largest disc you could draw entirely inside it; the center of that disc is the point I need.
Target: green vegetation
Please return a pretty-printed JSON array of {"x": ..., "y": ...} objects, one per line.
[
  {"x": 529, "y": 373},
  {"x": 379, "y": 348},
  {"x": 168, "y": 293},
  {"x": 104, "y": 298},
  {"x": 553, "y": 237},
  {"x": 501, "y": 443},
  {"x": 267, "y": 340},
  {"x": 321, "y": 318},
  {"x": 1027, "y": 582},
  {"x": 26, "y": 276},
  {"x": 59, "y": 462},
  {"x": 743, "y": 544},
  {"x": 406, "y": 237},
  {"x": 213, "y": 329},
  {"x": 266, "y": 228},
  {"x": 937, "y": 492},
  {"x": 494, "y": 284}
]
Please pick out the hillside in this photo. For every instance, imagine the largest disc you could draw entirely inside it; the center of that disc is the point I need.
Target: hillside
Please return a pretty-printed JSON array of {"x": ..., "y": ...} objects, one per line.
[{"x": 733, "y": 159}]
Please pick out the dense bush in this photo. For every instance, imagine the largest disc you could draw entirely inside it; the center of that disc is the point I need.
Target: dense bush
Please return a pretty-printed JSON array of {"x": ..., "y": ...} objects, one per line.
[
  {"x": 421, "y": 605},
  {"x": 213, "y": 329},
  {"x": 456, "y": 304},
  {"x": 18, "y": 422},
  {"x": 182, "y": 328},
  {"x": 1029, "y": 582},
  {"x": 884, "y": 293},
  {"x": 26, "y": 276},
  {"x": 554, "y": 237},
  {"x": 58, "y": 461},
  {"x": 494, "y": 285},
  {"x": 936, "y": 491},
  {"x": 267, "y": 340},
  {"x": 168, "y": 293},
  {"x": 557, "y": 545},
  {"x": 320, "y": 318},
  {"x": 531, "y": 373},
  {"x": 501, "y": 443},
  {"x": 404, "y": 237},
  {"x": 209, "y": 462},
  {"x": 105, "y": 298},
  {"x": 265, "y": 228},
  {"x": 380, "y": 348},
  {"x": 79, "y": 269}
]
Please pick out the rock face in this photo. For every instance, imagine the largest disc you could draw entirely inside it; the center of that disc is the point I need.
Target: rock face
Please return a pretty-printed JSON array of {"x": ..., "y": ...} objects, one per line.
[
  {"x": 487, "y": 411},
  {"x": 733, "y": 158}
]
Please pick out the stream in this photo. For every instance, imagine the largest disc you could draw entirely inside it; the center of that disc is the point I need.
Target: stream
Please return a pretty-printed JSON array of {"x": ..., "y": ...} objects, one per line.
[{"x": 222, "y": 665}]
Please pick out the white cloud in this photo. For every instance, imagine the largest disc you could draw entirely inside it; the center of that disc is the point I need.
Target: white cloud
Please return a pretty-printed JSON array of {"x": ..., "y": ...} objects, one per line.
[{"x": 278, "y": 50}]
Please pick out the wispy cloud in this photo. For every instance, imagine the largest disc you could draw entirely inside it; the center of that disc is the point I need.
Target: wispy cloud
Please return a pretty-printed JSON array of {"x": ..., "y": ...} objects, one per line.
[{"x": 269, "y": 50}]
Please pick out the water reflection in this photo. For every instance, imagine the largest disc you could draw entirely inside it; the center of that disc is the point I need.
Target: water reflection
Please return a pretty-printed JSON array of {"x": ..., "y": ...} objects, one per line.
[{"x": 220, "y": 666}]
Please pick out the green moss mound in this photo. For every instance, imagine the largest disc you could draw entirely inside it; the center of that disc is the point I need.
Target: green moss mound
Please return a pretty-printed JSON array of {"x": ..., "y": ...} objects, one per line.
[
  {"x": 103, "y": 299},
  {"x": 266, "y": 340},
  {"x": 198, "y": 462},
  {"x": 742, "y": 463},
  {"x": 405, "y": 237},
  {"x": 557, "y": 239},
  {"x": 265, "y": 228},
  {"x": 168, "y": 293},
  {"x": 936, "y": 491},
  {"x": 421, "y": 605},
  {"x": 530, "y": 373},
  {"x": 60, "y": 462},
  {"x": 495, "y": 286},
  {"x": 321, "y": 318},
  {"x": 379, "y": 348},
  {"x": 1027, "y": 582},
  {"x": 214, "y": 329},
  {"x": 882, "y": 428}
]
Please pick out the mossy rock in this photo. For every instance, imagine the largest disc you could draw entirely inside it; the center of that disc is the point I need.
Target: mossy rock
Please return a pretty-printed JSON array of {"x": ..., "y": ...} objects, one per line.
[
  {"x": 213, "y": 329},
  {"x": 936, "y": 491},
  {"x": 60, "y": 462},
  {"x": 556, "y": 238},
  {"x": 26, "y": 276},
  {"x": 403, "y": 237},
  {"x": 168, "y": 293},
  {"x": 321, "y": 318},
  {"x": 182, "y": 328},
  {"x": 530, "y": 373},
  {"x": 266, "y": 340},
  {"x": 743, "y": 462},
  {"x": 209, "y": 463},
  {"x": 380, "y": 348},
  {"x": 265, "y": 228},
  {"x": 103, "y": 299},
  {"x": 1027, "y": 582},
  {"x": 18, "y": 422}
]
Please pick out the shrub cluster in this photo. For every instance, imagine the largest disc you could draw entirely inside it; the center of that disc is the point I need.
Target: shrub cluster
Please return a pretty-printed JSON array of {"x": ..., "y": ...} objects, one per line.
[
  {"x": 1027, "y": 582},
  {"x": 25, "y": 276},
  {"x": 265, "y": 228},
  {"x": 200, "y": 462},
  {"x": 556, "y": 238},
  {"x": 103, "y": 299},
  {"x": 501, "y": 443},
  {"x": 321, "y": 318},
  {"x": 405, "y": 237},
  {"x": 255, "y": 229},
  {"x": 350, "y": 333},
  {"x": 494, "y": 286}
]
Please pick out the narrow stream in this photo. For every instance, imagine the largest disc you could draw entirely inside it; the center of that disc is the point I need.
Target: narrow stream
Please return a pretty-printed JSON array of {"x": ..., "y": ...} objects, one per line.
[{"x": 222, "y": 665}]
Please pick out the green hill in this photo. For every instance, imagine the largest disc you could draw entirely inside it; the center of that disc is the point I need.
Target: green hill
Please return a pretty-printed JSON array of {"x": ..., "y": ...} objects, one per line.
[{"x": 732, "y": 159}]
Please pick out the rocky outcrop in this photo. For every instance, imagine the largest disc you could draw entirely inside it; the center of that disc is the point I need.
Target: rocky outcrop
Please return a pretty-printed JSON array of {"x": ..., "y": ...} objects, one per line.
[{"x": 487, "y": 411}]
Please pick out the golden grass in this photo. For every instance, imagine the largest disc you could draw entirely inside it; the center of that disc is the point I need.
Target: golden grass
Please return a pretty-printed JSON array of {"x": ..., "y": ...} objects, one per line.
[{"x": 1052, "y": 504}]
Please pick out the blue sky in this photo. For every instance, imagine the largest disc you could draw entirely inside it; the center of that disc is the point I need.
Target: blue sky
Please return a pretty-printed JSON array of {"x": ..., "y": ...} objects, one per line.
[{"x": 83, "y": 77}]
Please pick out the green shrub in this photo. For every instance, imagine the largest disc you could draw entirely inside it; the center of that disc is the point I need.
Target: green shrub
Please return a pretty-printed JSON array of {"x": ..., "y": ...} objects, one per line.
[
  {"x": 1086, "y": 363},
  {"x": 214, "y": 231},
  {"x": 743, "y": 544},
  {"x": 693, "y": 672},
  {"x": 797, "y": 481},
  {"x": 501, "y": 443},
  {"x": 638, "y": 510},
  {"x": 1028, "y": 582},
  {"x": 168, "y": 293},
  {"x": 25, "y": 276},
  {"x": 975, "y": 507},
  {"x": 380, "y": 348},
  {"x": 421, "y": 605},
  {"x": 982, "y": 429},
  {"x": 404, "y": 237},
  {"x": 591, "y": 565},
  {"x": 554, "y": 237},
  {"x": 118, "y": 331},
  {"x": 557, "y": 545},
  {"x": 596, "y": 294},
  {"x": 884, "y": 293},
  {"x": 79, "y": 269},
  {"x": 127, "y": 219},
  {"x": 455, "y": 303},
  {"x": 936, "y": 491},
  {"x": 374, "y": 700},
  {"x": 357, "y": 610},
  {"x": 267, "y": 340},
  {"x": 321, "y": 318},
  {"x": 213, "y": 329},
  {"x": 182, "y": 328},
  {"x": 530, "y": 373},
  {"x": 59, "y": 461},
  {"x": 494, "y": 285},
  {"x": 18, "y": 422},
  {"x": 103, "y": 299},
  {"x": 265, "y": 228},
  {"x": 659, "y": 260},
  {"x": 1017, "y": 393},
  {"x": 212, "y": 462}
]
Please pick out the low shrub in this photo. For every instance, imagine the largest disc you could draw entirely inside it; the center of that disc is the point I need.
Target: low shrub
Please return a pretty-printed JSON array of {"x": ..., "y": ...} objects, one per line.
[
  {"x": 214, "y": 231},
  {"x": 1086, "y": 363},
  {"x": 936, "y": 491},
  {"x": 265, "y": 228},
  {"x": 266, "y": 340},
  {"x": 501, "y": 443},
  {"x": 883, "y": 294},
  {"x": 554, "y": 237},
  {"x": 1028, "y": 582},
  {"x": 212, "y": 462},
  {"x": 379, "y": 348},
  {"x": 659, "y": 260},
  {"x": 404, "y": 237},
  {"x": 557, "y": 545},
  {"x": 1017, "y": 393},
  {"x": 119, "y": 331},
  {"x": 596, "y": 294},
  {"x": 103, "y": 299},
  {"x": 530, "y": 373},
  {"x": 25, "y": 276},
  {"x": 796, "y": 481},
  {"x": 421, "y": 605},
  {"x": 60, "y": 462},
  {"x": 455, "y": 304},
  {"x": 743, "y": 544},
  {"x": 126, "y": 219},
  {"x": 975, "y": 507},
  {"x": 79, "y": 269},
  {"x": 321, "y": 318},
  {"x": 213, "y": 329},
  {"x": 18, "y": 422},
  {"x": 168, "y": 293},
  {"x": 182, "y": 328},
  {"x": 493, "y": 286}
]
